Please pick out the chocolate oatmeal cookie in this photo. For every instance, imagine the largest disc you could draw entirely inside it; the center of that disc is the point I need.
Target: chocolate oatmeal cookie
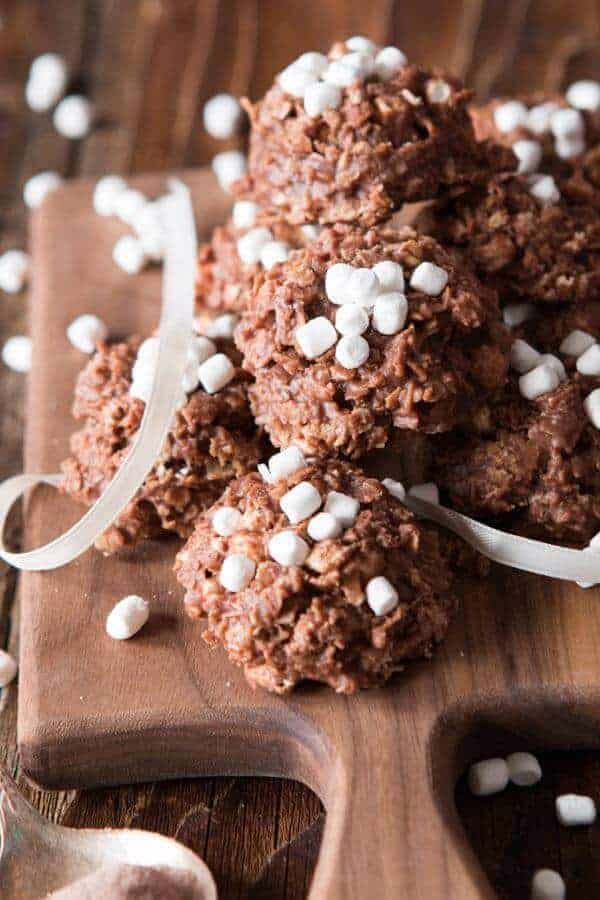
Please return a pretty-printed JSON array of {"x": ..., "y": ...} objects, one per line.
[
  {"x": 365, "y": 332},
  {"x": 318, "y": 573},
  {"x": 213, "y": 439}
]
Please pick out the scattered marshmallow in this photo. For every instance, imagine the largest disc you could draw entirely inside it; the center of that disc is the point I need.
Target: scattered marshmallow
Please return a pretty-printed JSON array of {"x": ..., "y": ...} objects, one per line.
[
  {"x": 589, "y": 361},
  {"x": 568, "y": 147},
  {"x": 390, "y": 312},
  {"x": 591, "y": 404},
  {"x": 107, "y": 189},
  {"x": 223, "y": 116},
  {"x": 295, "y": 79},
  {"x": 523, "y": 769},
  {"x": 529, "y": 154},
  {"x": 313, "y": 62},
  {"x": 351, "y": 319},
  {"x": 228, "y": 167},
  {"x": 236, "y": 572},
  {"x": 437, "y": 90},
  {"x": 288, "y": 549},
  {"x": 86, "y": 331},
  {"x": 129, "y": 254},
  {"x": 47, "y": 81},
  {"x": 321, "y": 96},
  {"x": 127, "y": 617},
  {"x": 337, "y": 279},
  {"x": 343, "y": 507},
  {"x": 429, "y": 278},
  {"x": 514, "y": 314},
  {"x": 548, "y": 885},
  {"x": 573, "y": 810},
  {"x": 226, "y": 520},
  {"x": 567, "y": 123},
  {"x": 362, "y": 63},
  {"x": 244, "y": 213},
  {"x": 363, "y": 286},
  {"x": 14, "y": 269},
  {"x": 541, "y": 380},
  {"x": 17, "y": 353},
  {"x": 8, "y": 668},
  {"x": 300, "y": 502},
  {"x": 543, "y": 188},
  {"x": 324, "y": 527},
  {"x": 549, "y": 359},
  {"x": 388, "y": 62},
  {"x": 340, "y": 74},
  {"x": 427, "y": 491},
  {"x": 251, "y": 244},
  {"x": 37, "y": 188},
  {"x": 352, "y": 351},
  {"x": 216, "y": 373},
  {"x": 311, "y": 232},
  {"x": 201, "y": 348},
  {"x": 274, "y": 252},
  {"x": 523, "y": 357},
  {"x": 148, "y": 226},
  {"x": 73, "y": 117},
  {"x": 361, "y": 44},
  {"x": 190, "y": 380},
  {"x": 539, "y": 116},
  {"x": 287, "y": 462},
  {"x": 382, "y": 596},
  {"x": 127, "y": 204},
  {"x": 395, "y": 488},
  {"x": 584, "y": 95},
  {"x": 315, "y": 337},
  {"x": 490, "y": 776},
  {"x": 576, "y": 343},
  {"x": 390, "y": 276},
  {"x": 510, "y": 115},
  {"x": 222, "y": 326},
  {"x": 141, "y": 386}
]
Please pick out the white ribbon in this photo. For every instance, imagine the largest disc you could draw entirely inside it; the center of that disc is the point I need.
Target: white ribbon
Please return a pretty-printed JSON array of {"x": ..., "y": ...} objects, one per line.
[{"x": 174, "y": 337}]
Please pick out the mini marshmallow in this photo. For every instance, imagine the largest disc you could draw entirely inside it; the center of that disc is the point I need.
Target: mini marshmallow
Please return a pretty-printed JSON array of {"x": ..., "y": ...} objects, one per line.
[
  {"x": 390, "y": 312},
  {"x": 85, "y": 331},
  {"x": 523, "y": 357},
  {"x": 222, "y": 327},
  {"x": 388, "y": 62},
  {"x": 286, "y": 463},
  {"x": 573, "y": 810},
  {"x": 429, "y": 278},
  {"x": 295, "y": 79},
  {"x": 127, "y": 617},
  {"x": 390, "y": 276},
  {"x": 568, "y": 147},
  {"x": 236, "y": 572},
  {"x": 529, "y": 154},
  {"x": 201, "y": 348},
  {"x": 216, "y": 373},
  {"x": 567, "y": 123},
  {"x": 362, "y": 63},
  {"x": 351, "y": 319},
  {"x": 510, "y": 115},
  {"x": 148, "y": 350},
  {"x": 548, "y": 885},
  {"x": 311, "y": 232},
  {"x": 361, "y": 44},
  {"x": 244, "y": 213},
  {"x": 514, "y": 314},
  {"x": 382, "y": 596},
  {"x": 223, "y": 116},
  {"x": 324, "y": 527},
  {"x": 190, "y": 380},
  {"x": 73, "y": 117},
  {"x": 107, "y": 189},
  {"x": 148, "y": 226},
  {"x": 8, "y": 668},
  {"x": 251, "y": 244},
  {"x": 288, "y": 549},
  {"x": 437, "y": 90},
  {"x": 316, "y": 337},
  {"x": 141, "y": 386},
  {"x": 577, "y": 342},
  {"x": 343, "y": 507},
  {"x": 427, "y": 491},
  {"x": 38, "y": 187},
  {"x": 538, "y": 117},
  {"x": 352, "y": 351},
  {"x": 490, "y": 776},
  {"x": 127, "y": 204},
  {"x": 129, "y": 255},
  {"x": 395, "y": 488},
  {"x": 523, "y": 769},
  {"x": 589, "y": 362},
  {"x": 14, "y": 269},
  {"x": 340, "y": 74},
  {"x": 548, "y": 359},
  {"x": 274, "y": 252},
  {"x": 46, "y": 82},
  {"x": 313, "y": 62},
  {"x": 17, "y": 353},
  {"x": 538, "y": 381},
  {"x": 321, "y": 96},
  {"x": 226, "y": 520},
  {"x": 363, "y": 286},
  {"x": 300, "y": 502},
  {"x": 591, "y": 404},
  {"x": 228, "y": 166},
  {"x": 545, "y": 191},
  {"x": 337, "y": 280},
  {"x": 584, "y": 95}
]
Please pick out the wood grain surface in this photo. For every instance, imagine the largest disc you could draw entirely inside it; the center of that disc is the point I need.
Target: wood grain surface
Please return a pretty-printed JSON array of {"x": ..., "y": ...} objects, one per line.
[{"x": 149, "y": 66}]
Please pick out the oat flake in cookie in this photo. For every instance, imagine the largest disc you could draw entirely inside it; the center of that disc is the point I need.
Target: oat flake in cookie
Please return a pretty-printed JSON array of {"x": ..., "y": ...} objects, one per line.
[
  {"x": 349, "y": 610},
  {"x": 213, "y": 439},
  {"x": 423, "y": 342},
  {"x": 351, "y": 136}
]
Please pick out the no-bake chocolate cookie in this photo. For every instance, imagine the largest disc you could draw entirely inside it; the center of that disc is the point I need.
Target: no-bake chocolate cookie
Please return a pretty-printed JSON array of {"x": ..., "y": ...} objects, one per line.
[
  {"x": 351, "y": 136},
  {"x": 213, "y": 439},
  {"x": 316, "y": 573},
  {"x": 365, "y": 332}
]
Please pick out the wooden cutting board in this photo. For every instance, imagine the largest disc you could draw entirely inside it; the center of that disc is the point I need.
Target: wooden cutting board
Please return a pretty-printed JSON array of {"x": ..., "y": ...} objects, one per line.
[{"x": 520, "y": 668}]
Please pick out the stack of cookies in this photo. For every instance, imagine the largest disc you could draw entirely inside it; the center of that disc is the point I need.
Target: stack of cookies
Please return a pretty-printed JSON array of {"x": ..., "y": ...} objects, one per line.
[{"x": 345, "y": 357}]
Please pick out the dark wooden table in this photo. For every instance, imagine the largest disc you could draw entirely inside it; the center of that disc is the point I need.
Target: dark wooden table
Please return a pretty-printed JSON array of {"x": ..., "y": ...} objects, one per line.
[{"x": 149, "y": 65}]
